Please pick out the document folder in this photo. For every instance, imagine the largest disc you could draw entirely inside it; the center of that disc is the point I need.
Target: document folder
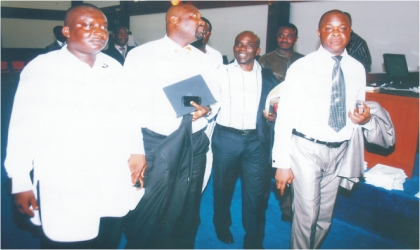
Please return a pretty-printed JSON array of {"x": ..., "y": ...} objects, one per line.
[{"x": 194, "y": 86}]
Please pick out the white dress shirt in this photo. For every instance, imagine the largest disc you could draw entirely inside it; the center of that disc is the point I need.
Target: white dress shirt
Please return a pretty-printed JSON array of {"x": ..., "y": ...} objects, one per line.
[
  {"x": 157, "y": 64},
  {"x": 70, "y": 123},
  {"x": 215, "y": 55},
  {"x": 240, "y": 96},
  {"x": 305, "y": 101}
]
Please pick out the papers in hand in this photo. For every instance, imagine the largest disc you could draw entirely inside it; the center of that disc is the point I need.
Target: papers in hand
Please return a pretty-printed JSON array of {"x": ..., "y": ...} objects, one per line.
[
  {"x": 386, "y": 177},
  {"x": 194, "y": 86},
  {"x": 272, "y": 98}
]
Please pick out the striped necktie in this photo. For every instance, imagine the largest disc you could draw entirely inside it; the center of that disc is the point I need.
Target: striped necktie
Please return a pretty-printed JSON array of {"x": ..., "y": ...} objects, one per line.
[{"x": 337, "y": 118}]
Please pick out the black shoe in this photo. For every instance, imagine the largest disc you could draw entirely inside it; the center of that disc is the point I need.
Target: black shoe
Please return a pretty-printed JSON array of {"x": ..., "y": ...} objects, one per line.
[
  {"x": 286, "y": 218},
  {"x": 225, "y": 236}
]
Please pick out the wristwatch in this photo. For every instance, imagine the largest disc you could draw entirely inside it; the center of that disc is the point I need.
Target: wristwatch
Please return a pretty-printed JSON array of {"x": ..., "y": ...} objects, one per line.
[{"x": 209, "y": 113}]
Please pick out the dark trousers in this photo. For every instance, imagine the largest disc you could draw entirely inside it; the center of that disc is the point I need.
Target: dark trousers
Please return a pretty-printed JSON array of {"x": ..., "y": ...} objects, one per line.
[
  {"x": 183, "y": 233},
  {"x": 110, "y": 232},
  {"x": 238, "y": 155}
]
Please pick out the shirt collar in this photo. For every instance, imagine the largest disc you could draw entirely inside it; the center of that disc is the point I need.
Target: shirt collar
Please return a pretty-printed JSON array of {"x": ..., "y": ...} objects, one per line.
[
  {"x": 118, "y": 47},
  {"x": 327, "y": 53},
  {"x": 61, "y": 43},
  {"x": 257, "y": 66},
  {"x": 280, "y": 53},
  {"x": 173, "y": 46}
]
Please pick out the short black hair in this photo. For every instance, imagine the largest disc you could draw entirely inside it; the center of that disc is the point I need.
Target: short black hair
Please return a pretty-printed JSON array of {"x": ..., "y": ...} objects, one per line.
[
  {"x": 207, "y": 21},
  {"x": 335, "y": 12},
  {"x": 288, "y": 25},
  {"x": 117, "y": 28},
  {"x": 57, "y": 30},
  {"x": 83, "y": 5}
]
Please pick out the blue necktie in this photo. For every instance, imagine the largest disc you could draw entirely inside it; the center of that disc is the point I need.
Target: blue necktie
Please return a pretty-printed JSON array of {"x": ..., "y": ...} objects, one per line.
[{"x": 337, "y": 118}]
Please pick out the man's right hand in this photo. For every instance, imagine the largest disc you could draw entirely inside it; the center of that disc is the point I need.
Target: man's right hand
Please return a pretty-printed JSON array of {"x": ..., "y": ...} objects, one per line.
[
  {"x": 283, "y": 177},
  {"x": 24, "y": 200}
]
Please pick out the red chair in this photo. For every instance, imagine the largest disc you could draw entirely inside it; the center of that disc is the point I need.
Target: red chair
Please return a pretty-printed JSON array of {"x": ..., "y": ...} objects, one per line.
[
  {"x": 18, "y": 66},
  {"x": 4, "y": 67}
]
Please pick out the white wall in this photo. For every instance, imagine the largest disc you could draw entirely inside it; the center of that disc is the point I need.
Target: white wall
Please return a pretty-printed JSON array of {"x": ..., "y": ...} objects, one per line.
[
  {"x": 226, "y": 22},
  {"x": 387, "y": 27},
  {"x": 47, "y": 5},
  {"x": 30, "y": 33}
]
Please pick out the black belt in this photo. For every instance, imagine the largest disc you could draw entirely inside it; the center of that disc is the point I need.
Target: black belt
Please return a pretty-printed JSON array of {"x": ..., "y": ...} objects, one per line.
[
  {"x": 328, "y": 144},
  {"x": 238, "y": 131}
]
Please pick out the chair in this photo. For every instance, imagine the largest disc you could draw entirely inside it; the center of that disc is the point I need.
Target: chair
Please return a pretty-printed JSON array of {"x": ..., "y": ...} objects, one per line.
[
  {"x": 18, "y": 66},
  {"x": 4, "y": 67}
]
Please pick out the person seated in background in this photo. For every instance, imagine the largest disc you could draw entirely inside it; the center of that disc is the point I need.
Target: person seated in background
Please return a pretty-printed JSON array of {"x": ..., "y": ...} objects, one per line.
[
  {"x": 242, "y": 142},
  {"x": 118, "y": 47},
  {"x": 358, "y": 48},
  {"x": 60, "y": 40},
  {"x": 204, "y": 47},
  {"x": 280, "y": 59}
]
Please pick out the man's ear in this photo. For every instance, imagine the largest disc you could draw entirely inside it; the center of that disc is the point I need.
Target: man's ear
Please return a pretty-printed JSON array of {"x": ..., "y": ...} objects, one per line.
[
  {"x": 174, "y": 20},
  {"x": 258, "y": 52},
  {"x": 66, "y": 31},
  {"x": 319, "y": 33}
]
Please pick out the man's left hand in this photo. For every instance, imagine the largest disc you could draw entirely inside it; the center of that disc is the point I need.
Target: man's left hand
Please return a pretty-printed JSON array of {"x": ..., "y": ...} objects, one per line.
[
  {"x": 138, "y": 165},
  {"x": 270, "y": 117},
  {"x": 361, "y": 114},
  {"x": 201, "y": 111}
]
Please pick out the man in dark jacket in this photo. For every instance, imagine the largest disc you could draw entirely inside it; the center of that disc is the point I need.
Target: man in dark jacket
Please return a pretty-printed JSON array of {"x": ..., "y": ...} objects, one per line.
[
  {"x": 117, "y": 47},
  {"x": 241, "y": 142},
  {"x": 60, "y": 39}
]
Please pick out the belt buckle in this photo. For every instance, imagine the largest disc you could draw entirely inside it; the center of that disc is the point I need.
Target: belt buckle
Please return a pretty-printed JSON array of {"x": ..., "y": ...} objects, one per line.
[{"x": 246, "y": 133}]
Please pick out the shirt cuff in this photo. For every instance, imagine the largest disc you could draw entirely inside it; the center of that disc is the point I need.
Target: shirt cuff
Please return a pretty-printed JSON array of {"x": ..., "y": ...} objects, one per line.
[
  {"x": 369, "y": 125},
  {"x": 276, "y": 164},
  {"x": 21, "y": 183}
]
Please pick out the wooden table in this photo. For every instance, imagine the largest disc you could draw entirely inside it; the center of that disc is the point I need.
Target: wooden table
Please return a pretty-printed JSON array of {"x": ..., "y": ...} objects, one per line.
[{"x": 404, "y": 112}]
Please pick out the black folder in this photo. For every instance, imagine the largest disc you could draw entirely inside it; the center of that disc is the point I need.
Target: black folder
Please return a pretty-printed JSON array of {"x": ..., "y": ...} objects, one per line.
[{"x": 194, "y": 86}]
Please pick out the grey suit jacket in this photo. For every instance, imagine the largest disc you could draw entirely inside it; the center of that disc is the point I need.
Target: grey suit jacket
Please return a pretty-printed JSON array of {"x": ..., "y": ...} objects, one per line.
[{"x": 382, "y": 134}]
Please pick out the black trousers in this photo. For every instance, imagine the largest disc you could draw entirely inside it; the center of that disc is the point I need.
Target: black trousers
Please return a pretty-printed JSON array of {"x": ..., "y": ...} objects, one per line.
[
  {"x": 110, "y": 232},
  {"x": 237, "y": 155},
  {"x": 182, "y": 234}
]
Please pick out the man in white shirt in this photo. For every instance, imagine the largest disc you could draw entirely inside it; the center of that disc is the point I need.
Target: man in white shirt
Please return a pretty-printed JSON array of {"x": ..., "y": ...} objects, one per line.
[
  {"x": 149, "y": 68},
  {"x": 215, "y": 58},
  {"x": 310, "y": 141},
  {"x": 242, "y": 142},
  {"x": 71, "y": 126},
  {"x": 204, "y": 47}
]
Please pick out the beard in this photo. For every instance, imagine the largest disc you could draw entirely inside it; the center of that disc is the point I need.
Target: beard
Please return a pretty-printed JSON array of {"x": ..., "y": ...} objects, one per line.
[{"x": 199, "y": 34}]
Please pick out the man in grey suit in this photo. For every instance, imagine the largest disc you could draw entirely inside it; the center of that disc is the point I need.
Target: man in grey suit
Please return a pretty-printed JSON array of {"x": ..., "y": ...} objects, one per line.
[{"x": 316, "y": 119}]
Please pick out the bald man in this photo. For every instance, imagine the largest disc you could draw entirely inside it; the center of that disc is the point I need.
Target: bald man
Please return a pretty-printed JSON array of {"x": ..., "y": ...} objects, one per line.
[
  {"x": 168, "y": 214},
  {"x": 316, "y": 120},
  {"x": 70, "y": 126},
  {"x": 242, "y": 141}
]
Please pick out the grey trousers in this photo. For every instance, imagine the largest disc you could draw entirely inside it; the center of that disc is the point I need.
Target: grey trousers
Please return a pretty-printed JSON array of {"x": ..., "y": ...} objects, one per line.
[{"x": 315, "y": 186}]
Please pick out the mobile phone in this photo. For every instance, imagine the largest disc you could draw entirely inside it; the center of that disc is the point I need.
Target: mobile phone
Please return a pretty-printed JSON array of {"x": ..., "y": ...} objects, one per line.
[
  {"x": 359, "y": 106},
  {"x": 187, "y": 99}
]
